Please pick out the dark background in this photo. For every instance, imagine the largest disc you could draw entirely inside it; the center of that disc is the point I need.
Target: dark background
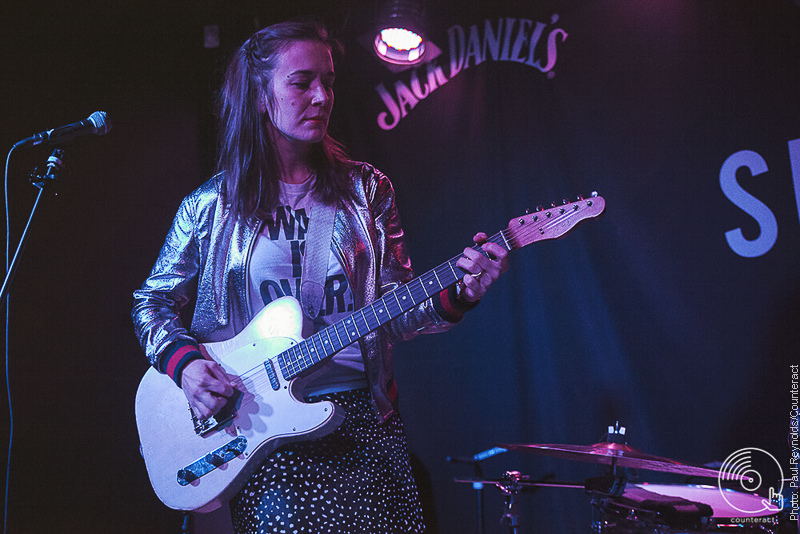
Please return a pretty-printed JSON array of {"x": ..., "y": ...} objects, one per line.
[{"x": 645, "y": 316}]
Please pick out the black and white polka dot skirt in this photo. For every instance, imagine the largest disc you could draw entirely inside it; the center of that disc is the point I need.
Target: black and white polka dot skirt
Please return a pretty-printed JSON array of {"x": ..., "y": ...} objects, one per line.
[{"x": 355, "y": 480}]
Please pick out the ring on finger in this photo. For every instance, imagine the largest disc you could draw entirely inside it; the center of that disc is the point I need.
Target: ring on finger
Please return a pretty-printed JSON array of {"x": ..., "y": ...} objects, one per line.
[{"x": 478, "y": 275}]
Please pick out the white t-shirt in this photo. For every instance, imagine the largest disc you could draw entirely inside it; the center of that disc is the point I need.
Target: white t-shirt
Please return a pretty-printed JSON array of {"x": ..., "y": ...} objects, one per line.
[{"x": 276, "y": 268}]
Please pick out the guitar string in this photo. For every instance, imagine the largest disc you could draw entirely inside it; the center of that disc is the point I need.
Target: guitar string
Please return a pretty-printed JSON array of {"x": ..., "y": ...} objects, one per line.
[
  {"x": 257, "y": 377},
  {"x": 250, "y": 388},
  {"x": 498, "y": 238},
  {"x": 302, "y": 362},
  {"x": 247, "y": 397},
  {"x": 518, "y": 232}
]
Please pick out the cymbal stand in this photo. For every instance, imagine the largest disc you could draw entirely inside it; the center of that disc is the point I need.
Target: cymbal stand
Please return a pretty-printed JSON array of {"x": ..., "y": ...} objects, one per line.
[
  {"x": 511, "y": 488},
  {"x": 475, "y": 462},
  {"x": 479, "y": 492},
  {"x": 513, "y": 483},
  {"x": 613, "y": 483}
]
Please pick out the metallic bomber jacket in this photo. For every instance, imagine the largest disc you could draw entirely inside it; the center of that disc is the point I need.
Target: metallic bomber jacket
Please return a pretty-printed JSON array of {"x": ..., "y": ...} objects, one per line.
[{"x": 207, "y": 254}]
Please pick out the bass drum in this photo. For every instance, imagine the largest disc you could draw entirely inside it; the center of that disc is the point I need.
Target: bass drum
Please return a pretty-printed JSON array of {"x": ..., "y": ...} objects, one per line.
[{"x": 683, "y": 509}]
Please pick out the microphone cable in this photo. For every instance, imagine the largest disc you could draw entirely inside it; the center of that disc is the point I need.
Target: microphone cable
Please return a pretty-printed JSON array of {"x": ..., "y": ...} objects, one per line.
[{"x": 8, "y": 380}]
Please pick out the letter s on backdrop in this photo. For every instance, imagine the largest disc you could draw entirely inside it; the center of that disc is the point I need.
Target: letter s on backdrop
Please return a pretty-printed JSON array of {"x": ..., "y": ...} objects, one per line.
[{"x": 749, "y": 204}]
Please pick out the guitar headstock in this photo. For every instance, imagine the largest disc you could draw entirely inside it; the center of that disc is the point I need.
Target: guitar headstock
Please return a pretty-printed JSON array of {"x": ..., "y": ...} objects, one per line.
[{"x": 552, "y": 223}]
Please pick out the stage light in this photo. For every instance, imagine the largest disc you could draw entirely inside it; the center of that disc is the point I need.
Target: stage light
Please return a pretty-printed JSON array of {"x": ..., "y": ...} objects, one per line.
[{"x": 399, "y": 34}]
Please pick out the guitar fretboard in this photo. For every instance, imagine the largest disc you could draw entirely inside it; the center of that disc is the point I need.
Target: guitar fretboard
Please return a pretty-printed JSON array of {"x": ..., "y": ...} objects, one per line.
[
  {"x": 339, "y": 335},
  {"x": 543, "y": 224}
]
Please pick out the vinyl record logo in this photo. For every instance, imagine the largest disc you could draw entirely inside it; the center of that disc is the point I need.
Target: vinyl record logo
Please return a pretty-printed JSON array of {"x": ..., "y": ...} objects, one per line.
[{"x": 745, "y": 467}]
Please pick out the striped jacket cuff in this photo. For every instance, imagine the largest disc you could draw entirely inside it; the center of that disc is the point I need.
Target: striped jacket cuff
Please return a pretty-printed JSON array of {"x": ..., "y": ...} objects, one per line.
[
  {"x": 176, "y": 357},
  {"x": 449, "y": 306}
]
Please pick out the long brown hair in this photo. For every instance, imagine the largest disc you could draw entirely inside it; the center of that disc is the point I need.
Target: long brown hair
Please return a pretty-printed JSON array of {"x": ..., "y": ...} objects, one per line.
[{"x": 246, "y": 157}]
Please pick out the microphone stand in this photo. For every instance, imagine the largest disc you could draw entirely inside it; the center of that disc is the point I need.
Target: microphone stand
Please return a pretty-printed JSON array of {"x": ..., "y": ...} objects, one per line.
[
  {"x": 478, "y": 487},
  {"x": 43, "y": 181},
  {"x": 475, "y": 461}
]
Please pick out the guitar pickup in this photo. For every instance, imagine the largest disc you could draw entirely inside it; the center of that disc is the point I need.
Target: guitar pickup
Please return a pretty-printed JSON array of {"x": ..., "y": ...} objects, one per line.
[
  {"x": 273, "y": 378},
  {"x": 211, "y": 461}
]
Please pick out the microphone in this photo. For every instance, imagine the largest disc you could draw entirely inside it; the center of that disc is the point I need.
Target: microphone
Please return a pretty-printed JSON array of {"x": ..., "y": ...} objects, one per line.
[{"x": 97, "y": 123}]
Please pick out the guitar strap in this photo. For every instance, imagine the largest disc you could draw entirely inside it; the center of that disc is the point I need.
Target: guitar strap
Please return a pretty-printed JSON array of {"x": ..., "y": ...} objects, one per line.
[{"x": 315, "y": 263}]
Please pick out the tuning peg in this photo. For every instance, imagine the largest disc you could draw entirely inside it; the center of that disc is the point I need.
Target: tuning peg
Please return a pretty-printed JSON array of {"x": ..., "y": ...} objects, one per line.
[
  {"x": 565, "y": 201},
  {"x": 539, "y": 208},
  {"x": 580, "y": 197},
  {"x": 527, "y": 211},
  {"x": 594, "y": 193},
  {"x": 552, "y": 204}
]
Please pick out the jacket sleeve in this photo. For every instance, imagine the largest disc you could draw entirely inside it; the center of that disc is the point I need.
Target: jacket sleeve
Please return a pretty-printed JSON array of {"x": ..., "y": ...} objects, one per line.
[
  {"x": 170, "y": 286},
  {"x": 436, "y": 314}
]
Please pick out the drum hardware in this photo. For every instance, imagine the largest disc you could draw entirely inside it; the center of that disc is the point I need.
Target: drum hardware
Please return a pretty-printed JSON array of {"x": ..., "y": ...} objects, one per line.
[
  {"x": 656, "y": 508},
  {"x": 625, "y": 508},
  {"x": 475, "y": 462},
  {"x": 684, "y": 509},
  {"x": 511, "y": 485},
  {"x": 613, "y": 483},
  {"x": 511, "y": 512},
  {"x": 610, "y": 485}
]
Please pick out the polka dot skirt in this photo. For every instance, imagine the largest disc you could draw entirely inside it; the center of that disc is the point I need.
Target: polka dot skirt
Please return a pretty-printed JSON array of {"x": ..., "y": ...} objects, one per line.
[{"x": 354, "y": 480}]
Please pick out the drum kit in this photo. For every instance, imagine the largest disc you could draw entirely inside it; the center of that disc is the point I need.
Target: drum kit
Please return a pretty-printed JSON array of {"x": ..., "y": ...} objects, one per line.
[{"x": 623, "y": 508}]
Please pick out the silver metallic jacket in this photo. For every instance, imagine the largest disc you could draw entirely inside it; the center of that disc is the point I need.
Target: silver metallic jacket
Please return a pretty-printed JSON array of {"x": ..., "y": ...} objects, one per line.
[{"x": 207, "y": 254}]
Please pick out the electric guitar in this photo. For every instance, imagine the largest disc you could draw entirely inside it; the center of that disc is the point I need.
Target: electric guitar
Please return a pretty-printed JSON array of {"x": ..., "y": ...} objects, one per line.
[{"x": 197, "y": 464}]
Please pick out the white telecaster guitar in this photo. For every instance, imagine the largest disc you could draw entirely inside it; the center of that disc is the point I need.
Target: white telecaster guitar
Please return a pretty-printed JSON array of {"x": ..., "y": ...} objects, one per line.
[{"x": 197, "y": 464}]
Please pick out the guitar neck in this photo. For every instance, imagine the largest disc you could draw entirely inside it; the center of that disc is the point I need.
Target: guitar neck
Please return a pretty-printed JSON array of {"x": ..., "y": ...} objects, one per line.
[
  {"x": 521, "y": 231},
  {"x": 358, "y": 324}
]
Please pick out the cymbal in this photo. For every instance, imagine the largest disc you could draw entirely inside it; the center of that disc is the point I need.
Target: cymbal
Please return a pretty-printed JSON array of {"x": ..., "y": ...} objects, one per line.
[{"x": 625, "y": 456}]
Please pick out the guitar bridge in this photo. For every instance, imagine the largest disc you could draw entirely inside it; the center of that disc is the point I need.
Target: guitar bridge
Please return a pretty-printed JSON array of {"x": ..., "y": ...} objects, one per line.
[{"x": 224, "y": 416}]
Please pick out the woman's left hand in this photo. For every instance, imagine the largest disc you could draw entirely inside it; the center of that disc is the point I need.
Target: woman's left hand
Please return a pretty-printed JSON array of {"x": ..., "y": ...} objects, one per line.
[{"x": 484, "y": 270}]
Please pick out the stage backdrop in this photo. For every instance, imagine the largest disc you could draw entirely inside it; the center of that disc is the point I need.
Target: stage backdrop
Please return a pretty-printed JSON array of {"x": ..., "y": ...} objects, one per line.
[{"x": 675, "y": 314}]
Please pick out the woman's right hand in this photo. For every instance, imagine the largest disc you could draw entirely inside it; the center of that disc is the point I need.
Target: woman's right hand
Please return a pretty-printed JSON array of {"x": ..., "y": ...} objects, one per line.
[{"x": 206, "y": 386}]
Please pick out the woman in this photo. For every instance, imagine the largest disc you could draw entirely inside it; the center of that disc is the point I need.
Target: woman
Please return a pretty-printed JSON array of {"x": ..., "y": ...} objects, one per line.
[{"x": 237, "y": 243}]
